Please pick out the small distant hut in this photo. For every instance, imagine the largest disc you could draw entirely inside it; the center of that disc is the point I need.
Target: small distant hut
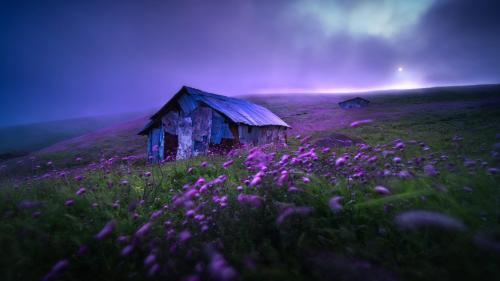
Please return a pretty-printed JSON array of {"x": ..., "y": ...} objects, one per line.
[
  {"x": 356, "y": 102},
  {"x": 195, "y": 123}
]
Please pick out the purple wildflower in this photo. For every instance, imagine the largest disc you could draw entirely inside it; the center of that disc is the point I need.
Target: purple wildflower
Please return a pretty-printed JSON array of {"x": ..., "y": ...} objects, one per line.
[
  {"x": 467, "y": 189},
  {"x": 153, "y": 270},
  {"x": 27, "y": 204},
  {"x": 399, "y": 145},
  {"x": 227, "y": 164},
  {"x": 256, "y": 180},
  {"x": 416, "y": 219},
  {"x": 122, "y": 239},
  {"x": 382, "y": 190},
  {"x": 200, "y": 182},
  {"x": 106, "y": 231},
  {"x": 404, "y": 174},
  {"x": 287, "y": 212},
  {"x": 293, "y": 189},
  {"x": 80, "y": 191},
  {"x": 386, "y": 153},
  {"x": 82, "y": 250},
  {"x": 184, "y": 236},
  {"x": 493, "y": 171},
  {"x": 335, "y": 203},
  {"x": 430, "y": 171},
  {"x": 57, "y": 269},
  {"x": 69, "y": 202},
  {"x": 127, "y": 250},
  {"x": 253, "y": 201},
  {"x": 283, "y": 178},
  {"x": 190, "y": 213},
  {"x": 192, "y": 277},
  {"x": 361, "y": 122},
  {"x": 340, "y": 161},
  {"x": 220, "y": 270},
  {"x": 149, "y": 260},
  {"x": 156, "y": 214},
  {"x": 144, "y": 230}
]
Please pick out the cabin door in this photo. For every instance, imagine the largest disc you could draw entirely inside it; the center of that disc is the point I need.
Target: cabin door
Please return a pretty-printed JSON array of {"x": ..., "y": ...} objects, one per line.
[{"x": 156, "y": 141}]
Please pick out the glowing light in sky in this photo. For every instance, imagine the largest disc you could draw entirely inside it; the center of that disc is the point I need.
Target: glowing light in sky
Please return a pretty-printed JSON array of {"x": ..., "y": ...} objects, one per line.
[{"x": 400, "y": 69}]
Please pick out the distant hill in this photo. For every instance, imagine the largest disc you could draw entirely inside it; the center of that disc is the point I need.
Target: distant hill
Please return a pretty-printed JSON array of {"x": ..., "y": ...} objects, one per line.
[
  {"x": 23, "y": 139},
  {"x": 306, "y": 113}
]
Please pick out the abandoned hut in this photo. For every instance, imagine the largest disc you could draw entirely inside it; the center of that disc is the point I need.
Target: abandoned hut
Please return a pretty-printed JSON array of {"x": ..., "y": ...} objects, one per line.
[
  {"x": 356, "y": 102},
  {"x": 195, "y": 123}
]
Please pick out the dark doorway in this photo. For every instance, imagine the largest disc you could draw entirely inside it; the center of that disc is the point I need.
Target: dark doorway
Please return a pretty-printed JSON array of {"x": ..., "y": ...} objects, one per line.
[{"x": 170, "y": 146}]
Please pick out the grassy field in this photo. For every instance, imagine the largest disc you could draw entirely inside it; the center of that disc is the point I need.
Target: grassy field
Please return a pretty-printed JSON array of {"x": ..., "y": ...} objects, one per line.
[{"x": 418, "y": 201}]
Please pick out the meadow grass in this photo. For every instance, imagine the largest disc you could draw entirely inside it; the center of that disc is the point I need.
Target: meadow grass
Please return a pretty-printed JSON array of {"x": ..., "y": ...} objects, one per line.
[{"x": 361, "y": 241}]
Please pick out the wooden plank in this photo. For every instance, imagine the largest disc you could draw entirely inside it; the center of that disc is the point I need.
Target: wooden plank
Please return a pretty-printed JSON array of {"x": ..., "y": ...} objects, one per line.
[
  {"x": 185, "y": 135},
  {"x": 202, "y": 124}
]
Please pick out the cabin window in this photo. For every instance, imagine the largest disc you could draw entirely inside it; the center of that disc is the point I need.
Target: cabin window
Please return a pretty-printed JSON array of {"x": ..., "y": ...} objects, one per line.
[{"x": 249, "y": 129}]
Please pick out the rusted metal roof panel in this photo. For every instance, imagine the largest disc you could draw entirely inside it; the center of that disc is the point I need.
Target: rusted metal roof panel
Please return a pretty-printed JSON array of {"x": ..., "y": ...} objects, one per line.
[{"x": 239, "y": 111}]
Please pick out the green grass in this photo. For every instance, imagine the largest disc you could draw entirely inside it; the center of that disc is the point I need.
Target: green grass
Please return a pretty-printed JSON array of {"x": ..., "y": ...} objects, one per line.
[{"x": 322, "y": 245}]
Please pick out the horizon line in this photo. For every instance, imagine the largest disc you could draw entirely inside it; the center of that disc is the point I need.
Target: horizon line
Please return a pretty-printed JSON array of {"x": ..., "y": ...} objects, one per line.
[{"x": 347, "y": 91}]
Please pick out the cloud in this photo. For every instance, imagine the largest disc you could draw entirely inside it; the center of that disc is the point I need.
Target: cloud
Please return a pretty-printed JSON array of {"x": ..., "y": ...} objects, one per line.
[
  {"x": 381, "y": 18},
  {"x": 457, "y": 42},
  {"x": 73, "y": 58}
]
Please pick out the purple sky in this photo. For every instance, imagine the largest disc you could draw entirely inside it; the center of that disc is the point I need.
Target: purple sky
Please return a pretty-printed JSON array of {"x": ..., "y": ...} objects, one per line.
[{"x": 61, "y": 59}]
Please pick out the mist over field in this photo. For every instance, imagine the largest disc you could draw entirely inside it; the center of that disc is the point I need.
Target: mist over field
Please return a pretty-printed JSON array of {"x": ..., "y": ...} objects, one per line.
[{"x": 20, "y": 140}]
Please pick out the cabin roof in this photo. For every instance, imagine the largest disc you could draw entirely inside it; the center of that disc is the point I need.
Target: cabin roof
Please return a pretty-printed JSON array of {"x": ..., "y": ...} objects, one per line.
[
  {"x": 354, "y": 99},
  {"x": 238, "y": 110}
]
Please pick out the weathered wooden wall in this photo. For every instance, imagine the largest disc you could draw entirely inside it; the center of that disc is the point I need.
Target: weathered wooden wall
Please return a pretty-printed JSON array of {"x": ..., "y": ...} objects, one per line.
[
  {"x": 185, "y": 135},
  {"x": 170, "y": 121},
  {"x": 220, "y": 128},
  {"x": 202, "y": 124},
  {"x": 195, "y": 126},
  {"x": 261, "y": 135},
  {"x": 249, "y": 134},
  {"x": 271, "y": 134}
]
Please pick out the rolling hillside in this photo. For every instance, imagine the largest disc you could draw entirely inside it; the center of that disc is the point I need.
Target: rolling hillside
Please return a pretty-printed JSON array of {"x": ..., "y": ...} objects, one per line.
[
  {"x": 309, "y": 114},
  {"x": 22, "y": 139}
]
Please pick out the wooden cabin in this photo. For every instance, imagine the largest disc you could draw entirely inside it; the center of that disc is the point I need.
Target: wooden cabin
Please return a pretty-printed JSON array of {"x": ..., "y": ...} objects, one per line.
[
  {"x": 195, "y": 123},
  {"x": 356, "y": 102}
]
